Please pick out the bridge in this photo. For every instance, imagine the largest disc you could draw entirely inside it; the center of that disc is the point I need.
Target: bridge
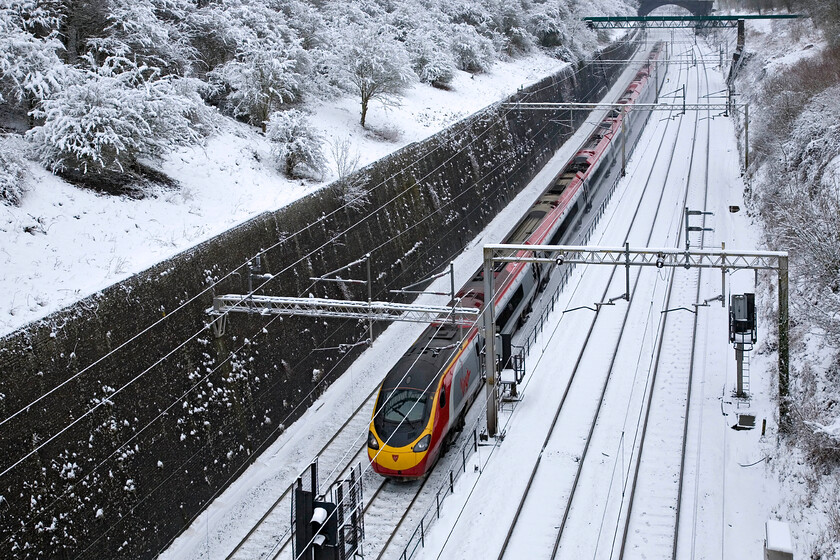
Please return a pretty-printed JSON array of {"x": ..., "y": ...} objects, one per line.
[
  {"x": 696, "y": 7},
  {"x": 669, "y": 22}
]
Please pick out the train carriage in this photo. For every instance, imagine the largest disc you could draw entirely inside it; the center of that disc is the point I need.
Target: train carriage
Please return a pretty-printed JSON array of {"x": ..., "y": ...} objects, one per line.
[{"x": 423, "y": 400}]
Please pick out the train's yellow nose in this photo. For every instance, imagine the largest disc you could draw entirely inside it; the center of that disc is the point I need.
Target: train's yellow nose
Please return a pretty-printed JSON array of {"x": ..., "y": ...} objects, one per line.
[{"x": 395, "y": 459}]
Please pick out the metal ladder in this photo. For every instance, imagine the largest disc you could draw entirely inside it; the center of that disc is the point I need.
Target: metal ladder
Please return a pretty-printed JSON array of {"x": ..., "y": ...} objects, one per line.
[{"x": 746, "y": 371}]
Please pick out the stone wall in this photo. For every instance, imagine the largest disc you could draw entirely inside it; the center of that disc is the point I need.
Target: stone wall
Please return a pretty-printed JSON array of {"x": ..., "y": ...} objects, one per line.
[{"x": 136, "y": 416}]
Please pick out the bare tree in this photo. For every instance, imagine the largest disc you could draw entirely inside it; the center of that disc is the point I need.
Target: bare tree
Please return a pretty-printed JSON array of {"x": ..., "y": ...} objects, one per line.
[
  {"x": 349, "y": 188},
  {"x": 376, "y": 66}
]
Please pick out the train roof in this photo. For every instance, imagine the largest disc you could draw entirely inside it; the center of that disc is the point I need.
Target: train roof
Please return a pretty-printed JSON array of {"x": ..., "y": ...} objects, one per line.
[{"x": 424, "y": 363}]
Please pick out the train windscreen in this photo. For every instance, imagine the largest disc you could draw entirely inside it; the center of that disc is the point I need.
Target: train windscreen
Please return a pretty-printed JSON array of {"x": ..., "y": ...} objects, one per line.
[{"x": 401, "y": 415}]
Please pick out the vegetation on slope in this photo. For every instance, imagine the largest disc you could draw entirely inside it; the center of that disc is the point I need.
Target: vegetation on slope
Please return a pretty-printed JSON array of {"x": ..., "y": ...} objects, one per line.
[
  {"x": 795, "y": 193},
  {"x": 102, "y": 89}
]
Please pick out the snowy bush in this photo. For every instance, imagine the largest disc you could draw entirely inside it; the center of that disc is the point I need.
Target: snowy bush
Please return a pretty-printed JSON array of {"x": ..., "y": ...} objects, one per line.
[
  {"x": 430, "y": 60},
  {"x": 13, "y": 172},
  {"x": 547, "y": 24},
  {"x": 349, "y": 187},
  {"x": 515, "y": 38},
  {"x": 296, "y": 145},
  {"x": 30, "y": 69},
  {"x": 422, "y": 29},
  {"x": 478, "y": 15},
  {"x": 147, "y": 32},
  {"x": 111, "y": 116},
  {"x": 473, "y": 52},
  {"x": 262, "y": 79}
]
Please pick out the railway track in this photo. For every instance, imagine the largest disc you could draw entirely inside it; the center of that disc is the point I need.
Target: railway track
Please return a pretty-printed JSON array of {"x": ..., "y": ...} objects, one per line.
[
  {"x": 271, "y": 535},
  {"x": 539, "y": 486},
  {"x": 653, "y": 515},
  {"x": 389, "y": 508}
]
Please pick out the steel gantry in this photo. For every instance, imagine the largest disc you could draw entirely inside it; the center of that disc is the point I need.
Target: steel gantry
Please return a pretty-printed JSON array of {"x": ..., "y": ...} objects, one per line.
[
  {"x": 339, "y": 308},
  {"x": 676, "y": 22},
  {"x": 723, "y": 109},
  {"x": 625, "y": 256}
]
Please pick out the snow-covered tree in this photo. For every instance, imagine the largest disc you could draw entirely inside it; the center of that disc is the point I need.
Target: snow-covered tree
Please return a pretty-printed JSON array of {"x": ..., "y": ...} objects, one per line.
[
  {"x": 375, "y": 66},
  {"x": 511, "y": 25},
  {"x": 422, "y": 29},
  {"x": 268, "y": 63},
  {"x": 149, "y": 33},
  {"x": 473, "y": 52},
  {"x": 13, "y": 171},
  {"x": 110, "y": 116},
  {"x": 262, "y": 79},
  {"x": 295, "y": 144},
  {"x": 30, "y": 69}
]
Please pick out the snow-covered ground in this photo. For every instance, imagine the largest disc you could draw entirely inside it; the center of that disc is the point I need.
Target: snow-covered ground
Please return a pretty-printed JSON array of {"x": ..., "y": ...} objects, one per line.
[
  {"x": 64, "y": 243},
  {"x": 216, "y": 531},
  {"x": 728, "y": 495}
]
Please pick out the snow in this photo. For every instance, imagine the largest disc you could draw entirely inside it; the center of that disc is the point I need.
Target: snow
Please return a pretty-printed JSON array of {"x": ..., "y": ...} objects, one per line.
[
  {"x": 778, "y": 537},
  {"x": 64, "y": 243},
  {"x": 731, "y": 489},
  {"x": 217, "y": 530},
  {"x": 729, "y": 503}
]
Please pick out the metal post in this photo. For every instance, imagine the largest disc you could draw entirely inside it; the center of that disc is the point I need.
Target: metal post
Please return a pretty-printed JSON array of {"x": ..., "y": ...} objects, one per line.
[
  {"x": 784, "y": 341},
  {"x": 452, "y": 288},
  {"x": 746, "y": 137},
  {"x": 250, "y": 277},
  {"x": 490, "y": 342},
  {"x": 687, "y": 246},
  {"x": 624, "y": 144},
  {"x": 656, "y": 85},
  {"x": 627, "y": 271},
  {"x": 370, "y": 297},
  {"x": 739, "y": 361},
  {"x": 723, "y": 275}
]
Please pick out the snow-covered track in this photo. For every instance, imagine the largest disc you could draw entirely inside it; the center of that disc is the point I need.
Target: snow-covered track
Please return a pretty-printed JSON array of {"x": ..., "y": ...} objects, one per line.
[
  {"x": 271, "y": 535},
  {"x": 560, "y": 463},
  {"x": 651, "y": 521},
  {"x": 387, "y": 512}
]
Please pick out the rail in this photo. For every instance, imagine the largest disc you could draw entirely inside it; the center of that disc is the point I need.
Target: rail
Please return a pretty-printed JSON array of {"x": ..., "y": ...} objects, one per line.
[{"x": 432, "y": 513}]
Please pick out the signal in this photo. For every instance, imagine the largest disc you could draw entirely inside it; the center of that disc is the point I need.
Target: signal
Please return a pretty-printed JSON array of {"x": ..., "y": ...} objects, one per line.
[{"x": 324, "y": 529}]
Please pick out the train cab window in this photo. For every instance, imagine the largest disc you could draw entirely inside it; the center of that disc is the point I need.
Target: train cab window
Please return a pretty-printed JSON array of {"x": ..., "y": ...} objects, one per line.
[
  {"x": 407, "y": 406},
  {"x": 443, "y": 397}
]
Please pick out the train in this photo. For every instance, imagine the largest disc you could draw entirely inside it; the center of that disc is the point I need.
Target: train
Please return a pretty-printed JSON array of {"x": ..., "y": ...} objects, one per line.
[{"x": 423, "y": 400}]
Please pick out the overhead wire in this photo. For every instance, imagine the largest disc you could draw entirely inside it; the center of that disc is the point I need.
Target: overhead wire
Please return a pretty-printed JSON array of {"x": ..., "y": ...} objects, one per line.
[
  {"x": 157, "y": 322},
  {"x": 219, "y": 365},
  {"x": 182, "y": 344},
  {"x": 285, "y": 239}
]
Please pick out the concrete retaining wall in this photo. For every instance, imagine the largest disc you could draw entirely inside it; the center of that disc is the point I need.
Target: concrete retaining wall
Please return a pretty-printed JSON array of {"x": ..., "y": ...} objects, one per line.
[{"x": 130, "y": 450}]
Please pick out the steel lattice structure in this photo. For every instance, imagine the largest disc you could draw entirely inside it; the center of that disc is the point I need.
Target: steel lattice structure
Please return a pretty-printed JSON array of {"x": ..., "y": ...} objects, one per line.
[
  {"x": 676, "y": 22},
  {"x": 660, "y": 258},
  {"x": 345, "y": 309},
  {"x": 722, "y": 107},
  {"x": 627, "y": 257}
]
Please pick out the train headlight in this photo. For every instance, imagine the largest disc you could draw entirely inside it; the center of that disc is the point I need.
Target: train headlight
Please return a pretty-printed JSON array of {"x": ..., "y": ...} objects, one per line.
[
  {"x": 423, "y": 444},
  {"x": 372, "y": 443}
]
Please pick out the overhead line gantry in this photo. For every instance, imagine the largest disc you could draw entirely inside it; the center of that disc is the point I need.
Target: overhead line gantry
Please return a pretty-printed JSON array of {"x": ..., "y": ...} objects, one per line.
[{"x": 677, "y": 22}]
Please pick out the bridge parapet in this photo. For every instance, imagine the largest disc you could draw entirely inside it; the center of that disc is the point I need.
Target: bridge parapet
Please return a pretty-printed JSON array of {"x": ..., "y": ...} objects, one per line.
[{"x": 696, "y": 7}]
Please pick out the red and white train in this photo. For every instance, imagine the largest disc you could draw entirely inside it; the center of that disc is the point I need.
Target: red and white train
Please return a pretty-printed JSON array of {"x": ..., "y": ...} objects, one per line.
[{"x": 423, "y": 400}]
